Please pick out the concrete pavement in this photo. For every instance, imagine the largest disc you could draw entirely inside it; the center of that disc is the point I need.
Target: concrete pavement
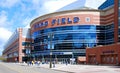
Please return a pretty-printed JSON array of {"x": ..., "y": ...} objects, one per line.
[
  {"x": 82, "y": 68},
  {"x": 62, "y": 68},
  {"x": 4, "y": 69},
  {"x": 90, "y": 69},
  {"x": 23, "y": 68}
]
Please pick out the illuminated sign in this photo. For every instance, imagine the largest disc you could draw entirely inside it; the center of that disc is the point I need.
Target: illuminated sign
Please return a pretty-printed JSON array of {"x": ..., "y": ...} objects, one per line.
[{"x": 59, "y": 21}]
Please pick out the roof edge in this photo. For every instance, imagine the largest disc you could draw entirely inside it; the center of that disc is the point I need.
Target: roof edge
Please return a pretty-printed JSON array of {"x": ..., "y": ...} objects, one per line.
[{"x": 47, "y": 15}]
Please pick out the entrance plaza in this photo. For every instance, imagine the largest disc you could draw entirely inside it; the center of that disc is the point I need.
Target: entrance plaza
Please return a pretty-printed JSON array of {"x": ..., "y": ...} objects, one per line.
[
  {"x": 84, "y": 68},
  {"x": 62, "y": 68}
]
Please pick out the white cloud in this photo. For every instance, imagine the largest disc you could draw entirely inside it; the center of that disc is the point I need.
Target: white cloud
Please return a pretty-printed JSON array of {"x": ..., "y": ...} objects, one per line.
[
  {"x": 35, "y": 6},
  {"x": 40, "y": 7},
  {"x": 54, "y": 5},
  {"x": 27, "y": 26},
  {"x": 37, "y": 2},
  {"x": 94, "y": 3},
  {"x": 4, "y": 35},
  {"x": 27, "y": 21},
  {"x": 3, "y": 18},
  {"x": 1, "y": 49},
  {"x": 48, "y": 6},
  {"x": 4, "y": 22},
  {"x": 8, "y": 3}
]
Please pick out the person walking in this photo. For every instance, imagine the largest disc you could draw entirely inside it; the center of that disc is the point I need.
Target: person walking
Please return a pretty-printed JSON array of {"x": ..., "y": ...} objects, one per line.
[
  {"x": 53, "y": 64},
  {"x": 32, "y": 62}
]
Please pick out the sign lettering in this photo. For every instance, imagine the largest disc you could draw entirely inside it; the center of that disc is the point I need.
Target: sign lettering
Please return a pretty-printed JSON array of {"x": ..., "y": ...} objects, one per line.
[{"x": 59, "y": 21}]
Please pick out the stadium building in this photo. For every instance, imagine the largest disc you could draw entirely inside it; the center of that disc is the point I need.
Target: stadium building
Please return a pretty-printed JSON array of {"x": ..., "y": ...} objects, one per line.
[
  {"x": 67, "y": 33},
  {"x": 18, "y": 46},
  {"x": 72, "y": 35},
  {"x": 110, "y": 53}
]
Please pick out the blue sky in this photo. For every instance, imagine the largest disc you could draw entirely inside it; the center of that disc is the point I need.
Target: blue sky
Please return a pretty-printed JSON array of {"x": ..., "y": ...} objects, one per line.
[{"x": 19, "y": 13}]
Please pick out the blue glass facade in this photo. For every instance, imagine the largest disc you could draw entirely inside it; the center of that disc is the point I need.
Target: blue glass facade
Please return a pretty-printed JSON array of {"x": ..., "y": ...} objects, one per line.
[
  {"x": 72, "y": 35},
  {"x": 69, "y": 38},
  {"x": 106, "y": 4},
  {"x": 71, "y": 41},
  {"x": 109, "y": 34}
]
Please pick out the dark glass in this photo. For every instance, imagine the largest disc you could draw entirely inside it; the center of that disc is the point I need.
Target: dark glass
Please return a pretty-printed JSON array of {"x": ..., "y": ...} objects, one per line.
[
  {"x": 26, "y": 43},
  {"x": 68, "y": 37},
  {"x": 74, "y": 37},
  {"x": 119, "y": 39},
  {"x": 119, "y": 32}
]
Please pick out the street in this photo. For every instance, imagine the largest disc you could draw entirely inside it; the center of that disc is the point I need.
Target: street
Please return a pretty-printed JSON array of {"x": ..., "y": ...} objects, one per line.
[
  {"x": 8, "y": 67},
  {"x": 4, "y": 69}
]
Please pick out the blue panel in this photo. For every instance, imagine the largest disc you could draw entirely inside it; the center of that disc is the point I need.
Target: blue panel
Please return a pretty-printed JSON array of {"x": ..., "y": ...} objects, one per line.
[{"x": 106, "y": 4}]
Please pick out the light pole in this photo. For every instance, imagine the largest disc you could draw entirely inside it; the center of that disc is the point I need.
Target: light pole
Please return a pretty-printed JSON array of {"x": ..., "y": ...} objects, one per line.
[
  {"x": 73, "y": 54},
  {"x": 50, "y": 35}
]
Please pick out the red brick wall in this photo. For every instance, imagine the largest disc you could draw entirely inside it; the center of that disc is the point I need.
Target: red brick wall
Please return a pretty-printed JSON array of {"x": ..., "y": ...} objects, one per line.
[
  {"x": 20, "y": 45},
  {"x": 81, "y": 17},
  {"x": 102, "y": 51}
]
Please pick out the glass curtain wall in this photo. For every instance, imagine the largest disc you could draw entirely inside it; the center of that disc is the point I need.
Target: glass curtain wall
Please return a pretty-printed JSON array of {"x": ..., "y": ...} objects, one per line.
[
  {"x": 68, "y": 37},
  {"x": 77, "y": 37}
]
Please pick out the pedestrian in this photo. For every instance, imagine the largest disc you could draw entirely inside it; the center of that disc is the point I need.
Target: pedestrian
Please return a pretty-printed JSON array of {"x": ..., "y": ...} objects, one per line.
[
  {"x": 28, "y": 63},
  {"x": 66, "y": 62},
  {"x": 38, "y": 63},
  {"x": 53, "y": 64},
  {"x": 32, "y": 62}
]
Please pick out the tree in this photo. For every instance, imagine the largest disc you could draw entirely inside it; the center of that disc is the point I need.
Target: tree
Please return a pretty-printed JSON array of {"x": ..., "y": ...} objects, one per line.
[{"x": 2, "y": 58}]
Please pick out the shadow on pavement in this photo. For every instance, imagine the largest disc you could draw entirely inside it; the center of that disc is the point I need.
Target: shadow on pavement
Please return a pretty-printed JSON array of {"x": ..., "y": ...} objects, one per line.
[{"x": 114, "y": 66}]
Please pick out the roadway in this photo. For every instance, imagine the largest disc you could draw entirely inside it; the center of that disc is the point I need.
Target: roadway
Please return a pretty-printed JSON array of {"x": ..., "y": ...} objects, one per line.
[
  {"x": 4, "y": 69},
  {"x": 59, "y": 68},
  {"x": 18, "y": 68}
]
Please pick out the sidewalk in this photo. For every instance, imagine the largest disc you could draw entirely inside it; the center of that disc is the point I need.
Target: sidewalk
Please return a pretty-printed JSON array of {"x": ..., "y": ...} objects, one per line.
[
  {"x": 82, "y": 68},
  {"x": 24, "y": 68},
  {"x": 19, "y": 68}
]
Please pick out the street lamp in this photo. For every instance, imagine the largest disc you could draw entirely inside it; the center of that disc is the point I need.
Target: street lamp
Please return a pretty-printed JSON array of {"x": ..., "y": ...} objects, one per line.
[
  {"x": 72, "y": 54},
  {"x": 50, "y": 35}
]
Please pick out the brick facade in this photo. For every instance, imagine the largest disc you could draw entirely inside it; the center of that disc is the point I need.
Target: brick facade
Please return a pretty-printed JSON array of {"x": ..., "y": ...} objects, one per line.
[{"x": 109, "y": 54}]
